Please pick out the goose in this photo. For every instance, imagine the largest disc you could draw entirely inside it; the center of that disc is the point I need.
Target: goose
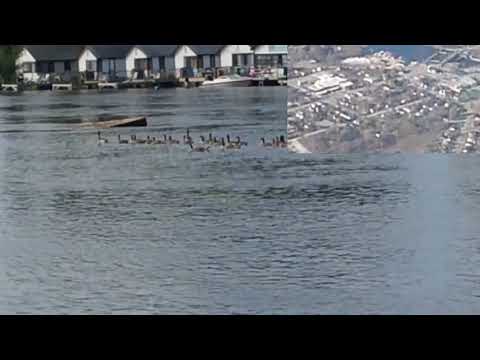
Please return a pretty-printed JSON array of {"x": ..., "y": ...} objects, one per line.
[
  {"x": 199, "y": 148},
  {"x": 277, "y": 142},
  {"x": 233, "y": 145},
  {"x": 265, "y": 144},
  {"x": 217, "y": 142},
  {"x": 101, "y": 140},
  {"x": 133, "y": 139},
  {"x": 156, "y": 142},
  {"x": 210, "y": 139},
  {"x": 173, "y": 141},
  {"x": 149, "y": 140},
  {"x": 228, "y": 145},
  {"x": 141, "y": 141},
  {"x": 242, "y": 143},
  {"x": 122, "y": 141},
  {"x": 283, "y": 143}
]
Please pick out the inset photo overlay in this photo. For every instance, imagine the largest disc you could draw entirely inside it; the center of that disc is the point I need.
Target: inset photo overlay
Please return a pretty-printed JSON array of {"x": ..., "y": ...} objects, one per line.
[{"x": 384, "y": 98}]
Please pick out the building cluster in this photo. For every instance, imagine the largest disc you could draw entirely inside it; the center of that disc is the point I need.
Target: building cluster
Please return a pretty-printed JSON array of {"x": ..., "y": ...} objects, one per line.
[
  {"x": 380, "y": 97},
  {"x": 112, "y": 63}
]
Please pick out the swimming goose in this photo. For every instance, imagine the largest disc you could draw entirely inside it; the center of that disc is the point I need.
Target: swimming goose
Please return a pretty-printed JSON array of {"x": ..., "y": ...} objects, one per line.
[
  {"x": 122, "y": 141},
  {"x": 229, "y": 145},
  {"x": 283, "y": 143},
  {"x": 265, "y": 144},
  {"x": 149, "y": 140},
  {"x": 242, "y": 143},
  {"x": 101, "y": 140},
  {"x": 199, "y": 148},
  {"x": 276, "y": 142},
  {"x": 141, "y": 141},
  {"x": 155, "y": 141},
  {"x": 210, "y": 139},
  {"x": 217, "y": 142},
  {"x": 173, "y": 141}
]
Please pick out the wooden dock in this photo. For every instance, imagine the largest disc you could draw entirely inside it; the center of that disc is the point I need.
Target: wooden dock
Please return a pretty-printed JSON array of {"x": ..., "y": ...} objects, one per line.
[
  {"x": 62, "y": 87},
  {"x": 130, "y": 122}
]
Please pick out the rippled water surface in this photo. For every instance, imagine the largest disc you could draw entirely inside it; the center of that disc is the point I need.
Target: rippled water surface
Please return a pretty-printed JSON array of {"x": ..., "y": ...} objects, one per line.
[{"x": 138, "y": 229}]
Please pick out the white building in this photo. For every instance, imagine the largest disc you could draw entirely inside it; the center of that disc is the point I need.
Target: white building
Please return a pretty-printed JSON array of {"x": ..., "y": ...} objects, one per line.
[
  {"x": 39, "y": 62},
  {"x": 155, "y": 61},
  {"x": 273, "y": 56},
  {"x": 104, "y": 62},
  {"x": 207, "y": 58},
  {"x": 236, "y": 56}
]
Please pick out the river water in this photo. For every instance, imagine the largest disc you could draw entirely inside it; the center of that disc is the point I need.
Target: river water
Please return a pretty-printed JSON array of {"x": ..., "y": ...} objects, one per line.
[{"x": 121, "y": 229}]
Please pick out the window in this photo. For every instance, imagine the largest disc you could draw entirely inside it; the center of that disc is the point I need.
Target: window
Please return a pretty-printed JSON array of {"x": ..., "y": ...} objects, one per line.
[
  {"x": 200, "y": 62},
  {"x": 212, "y": 61},
  {"x": 280, "y": 60},
  {"x": 111, "y": 66},
  {"x": 51, "y": 67},
  {"x": 266, "y": 60},
  {"x": 235, "y": 60},
  {"x": 67, "y": 66},
  {"x": 161, "y": 63},
  {"x": 140, "y": 64},
  {"x": 244, "y": 59},
  {"x": 91, "y": 65},
  {"x": 28, "y": 67}
]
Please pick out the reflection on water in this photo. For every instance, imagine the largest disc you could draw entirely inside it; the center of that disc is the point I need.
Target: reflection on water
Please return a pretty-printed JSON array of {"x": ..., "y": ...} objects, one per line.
[{"x": 121, "y": 229}]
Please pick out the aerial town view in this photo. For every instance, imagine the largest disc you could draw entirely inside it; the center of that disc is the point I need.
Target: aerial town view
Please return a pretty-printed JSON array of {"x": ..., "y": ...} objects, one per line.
[{"x": 374, "y": 98}]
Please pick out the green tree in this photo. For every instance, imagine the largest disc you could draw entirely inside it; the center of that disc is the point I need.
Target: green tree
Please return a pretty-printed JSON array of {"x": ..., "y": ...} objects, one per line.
[{"x": 8, "y": 56}]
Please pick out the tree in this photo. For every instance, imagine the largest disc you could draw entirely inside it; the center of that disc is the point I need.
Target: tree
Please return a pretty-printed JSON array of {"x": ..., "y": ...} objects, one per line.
[{"x": 8, "y": 67}]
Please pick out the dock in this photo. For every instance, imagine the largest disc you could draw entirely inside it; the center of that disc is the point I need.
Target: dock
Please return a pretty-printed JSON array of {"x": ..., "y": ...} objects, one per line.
[
  {"x": 130, "y": 122},
  {"x": 107, "y": 86},
  {"x": 62, "y": 87}
]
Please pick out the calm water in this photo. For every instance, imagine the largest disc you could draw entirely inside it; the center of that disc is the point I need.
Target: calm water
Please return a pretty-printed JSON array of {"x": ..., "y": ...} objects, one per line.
[{"x": 136, "y": 229}]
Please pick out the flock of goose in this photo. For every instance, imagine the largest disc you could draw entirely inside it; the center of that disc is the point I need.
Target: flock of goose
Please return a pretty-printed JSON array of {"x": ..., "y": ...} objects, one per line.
[{"x": 223, "y": 143}]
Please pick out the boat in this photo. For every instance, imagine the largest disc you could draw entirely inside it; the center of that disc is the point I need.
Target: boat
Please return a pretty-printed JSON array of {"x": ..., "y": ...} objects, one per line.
[{"x": 228, "y": 80}]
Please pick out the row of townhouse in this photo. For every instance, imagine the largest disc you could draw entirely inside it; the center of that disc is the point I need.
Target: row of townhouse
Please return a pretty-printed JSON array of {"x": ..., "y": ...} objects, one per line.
[{"x": 38, "y": 63}]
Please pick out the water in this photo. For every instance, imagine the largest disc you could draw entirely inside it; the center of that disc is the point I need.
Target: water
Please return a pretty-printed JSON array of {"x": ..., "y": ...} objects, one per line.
[
  {"x": 134, "y": 230},
  {"x": 407, "y": 52}
]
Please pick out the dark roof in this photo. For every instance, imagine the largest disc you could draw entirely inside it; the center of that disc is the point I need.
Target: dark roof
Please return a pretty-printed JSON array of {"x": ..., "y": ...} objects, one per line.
[
  {"x": 206, "y": 49},
  {"x": 55, "y": 52},
  {"x": 110, "y": 51},
  {"x": 158, "y": 50}
]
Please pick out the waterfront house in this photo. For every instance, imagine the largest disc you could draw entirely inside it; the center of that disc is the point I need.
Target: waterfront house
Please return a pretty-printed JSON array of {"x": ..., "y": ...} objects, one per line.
[
  {"x": 270, "y": 56},
  {"x": 236, "y": 56},
  {"x": 152, "y": 61},
  {"x": 104, "y": 62},
  {"x": 207, "y": 57},
  {"x": 49, "y": 62}
]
